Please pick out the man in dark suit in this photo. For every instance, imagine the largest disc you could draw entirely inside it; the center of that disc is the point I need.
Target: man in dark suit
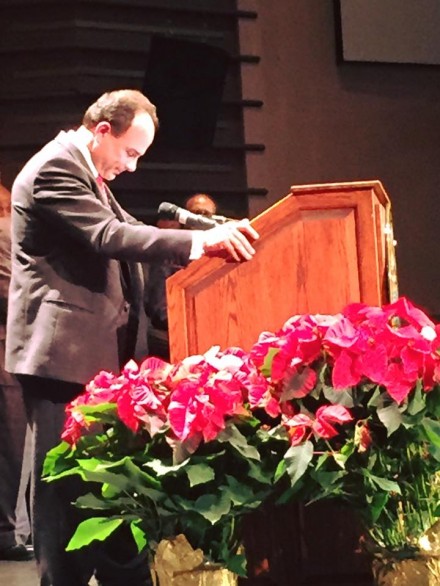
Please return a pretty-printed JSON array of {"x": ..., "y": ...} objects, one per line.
[{"x": 76, "y": 302}]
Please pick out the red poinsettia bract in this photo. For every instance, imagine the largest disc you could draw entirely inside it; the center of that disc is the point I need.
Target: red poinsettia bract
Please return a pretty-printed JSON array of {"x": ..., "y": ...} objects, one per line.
[
  {"x": 199, "y": 406},
  {"x": 300, "y": 426}
]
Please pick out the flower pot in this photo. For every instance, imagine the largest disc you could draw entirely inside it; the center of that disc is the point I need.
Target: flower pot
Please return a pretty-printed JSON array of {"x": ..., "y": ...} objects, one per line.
[
  {"x": 421, "y": 571},
  {"x": 176, "y": 563}
]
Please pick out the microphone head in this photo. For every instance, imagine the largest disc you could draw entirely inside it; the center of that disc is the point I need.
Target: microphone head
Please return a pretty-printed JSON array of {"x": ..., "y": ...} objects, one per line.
[{"x": 167, "y": 211}]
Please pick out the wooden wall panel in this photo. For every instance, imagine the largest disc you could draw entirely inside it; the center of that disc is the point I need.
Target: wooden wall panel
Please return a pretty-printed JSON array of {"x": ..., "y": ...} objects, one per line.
[{"x": 57, "y": 57}]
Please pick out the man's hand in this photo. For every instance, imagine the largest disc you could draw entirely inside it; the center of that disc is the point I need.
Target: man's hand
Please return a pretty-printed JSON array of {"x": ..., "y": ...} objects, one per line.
[{"x": 231, "y": 237}]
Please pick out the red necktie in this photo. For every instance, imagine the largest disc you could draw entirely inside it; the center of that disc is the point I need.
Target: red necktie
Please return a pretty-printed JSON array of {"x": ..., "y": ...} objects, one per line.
[{"x": 103, "y": 188}]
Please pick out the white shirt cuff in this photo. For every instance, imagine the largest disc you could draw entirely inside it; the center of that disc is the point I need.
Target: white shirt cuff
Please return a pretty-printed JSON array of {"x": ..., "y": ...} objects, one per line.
[{"x": 197, "y": 245}]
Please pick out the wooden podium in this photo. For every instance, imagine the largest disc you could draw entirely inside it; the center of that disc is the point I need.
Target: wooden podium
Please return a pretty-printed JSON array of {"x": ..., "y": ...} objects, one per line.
[{"x": 320, "y": 247}]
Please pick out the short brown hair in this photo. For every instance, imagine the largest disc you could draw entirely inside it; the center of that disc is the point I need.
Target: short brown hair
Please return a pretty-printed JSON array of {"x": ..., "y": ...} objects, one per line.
[{"x": 119, "y": 107}]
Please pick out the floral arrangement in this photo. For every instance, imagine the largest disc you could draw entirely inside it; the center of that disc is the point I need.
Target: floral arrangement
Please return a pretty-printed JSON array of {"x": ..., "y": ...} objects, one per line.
[{"x": 344, "y": 406}]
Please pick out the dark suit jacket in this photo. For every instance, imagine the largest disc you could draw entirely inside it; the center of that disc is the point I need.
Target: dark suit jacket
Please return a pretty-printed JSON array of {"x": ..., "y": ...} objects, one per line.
[
  {"x": 66, "y": 303},
  {"x": 6, "y": 379}
]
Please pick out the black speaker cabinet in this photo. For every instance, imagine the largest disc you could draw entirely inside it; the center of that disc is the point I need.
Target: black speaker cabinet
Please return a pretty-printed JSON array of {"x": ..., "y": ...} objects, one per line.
[{"x": 185, "y": 80}]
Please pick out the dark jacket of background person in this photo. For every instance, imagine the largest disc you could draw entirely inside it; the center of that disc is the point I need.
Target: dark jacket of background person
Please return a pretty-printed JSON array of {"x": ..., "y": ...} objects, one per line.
[{"x": 14, "y": 460}]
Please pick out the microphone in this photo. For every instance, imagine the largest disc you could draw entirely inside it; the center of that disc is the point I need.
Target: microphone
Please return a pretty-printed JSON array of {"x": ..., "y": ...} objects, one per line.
[{"x": 169, "y": 211}]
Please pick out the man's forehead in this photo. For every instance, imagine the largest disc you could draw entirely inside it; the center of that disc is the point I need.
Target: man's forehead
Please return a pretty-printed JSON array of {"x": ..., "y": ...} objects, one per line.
[{"x": 140, "y": 133}]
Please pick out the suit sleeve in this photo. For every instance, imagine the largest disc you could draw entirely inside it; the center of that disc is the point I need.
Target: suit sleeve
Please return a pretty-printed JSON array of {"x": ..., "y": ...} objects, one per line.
[{"x": 64, "y": 197}]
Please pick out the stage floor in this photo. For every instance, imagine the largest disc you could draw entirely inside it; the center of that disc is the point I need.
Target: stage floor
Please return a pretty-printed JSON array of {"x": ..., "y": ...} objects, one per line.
[{"x": 21, "y": 574}]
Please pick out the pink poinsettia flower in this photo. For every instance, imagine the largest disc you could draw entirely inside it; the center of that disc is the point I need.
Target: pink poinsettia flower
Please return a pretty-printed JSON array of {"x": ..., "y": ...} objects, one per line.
[
  {"x": 429, "y": 377},
  {"x": 260, "y": 349},
  {"x": 256, "y": 387},
  {"x": 397, "y": 383},
  {"x": 347, "y": 370},
  {"x": 406, "y": 310},
  {"x": 200, "y": 407},
  {"x": 76, "y": 423},
  {"x": 155, "y": 369},
  {"x": 298, "y": 383},
  {"x": 140, "y": 406},
  {"x": 262, "y": 397},
  {"x": 141, "y": 403},
  {"x": 73, "y": 427},
  {"x": 343, "y": 334},
  {"x": 298, "y": 343},
  {"x": 328, "y": 414},
  {"x": 102, "y": 389},
  {"x": 190, "y": 367},
  {"x": 298, "y": 428},
  {"x": 374, "y": 363}
]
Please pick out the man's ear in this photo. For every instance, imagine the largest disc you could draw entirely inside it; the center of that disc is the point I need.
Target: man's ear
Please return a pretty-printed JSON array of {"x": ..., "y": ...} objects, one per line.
[{"x": 103, "y": 127}]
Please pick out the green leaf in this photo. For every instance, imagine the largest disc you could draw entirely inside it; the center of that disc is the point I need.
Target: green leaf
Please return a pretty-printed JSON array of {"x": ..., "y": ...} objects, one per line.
[
  {"x": 383, "y": 483},
  {"x": 280, "y": 470},
  {"x": 257, "y": 473},
  {"x": 348, "y": 449},
  {"x": 92, "y": 501},
  {"x": 377, "y": 505},
  {"x": 340, "y": 397},
  {"x": 96, "y": 528},
  {"x": 417, "y": 402},
  {"x": 433, "y": 401},
  {"x": 124, "y": 474},
  {"x": 268, "y": 359},
  {"x": 162, "y": 469},
  {"x": 329, "y": 481},
  {"x": 199, "y": 474},
  {"x": 237, "y": 565},
  {"x": 57, "y": 459},
  {"x": 375, "y": 398},
  {"x": 297, "y": 459},
  {"x": 432, "y": 430},
  {"x": 213, "y": 507},
  {"x": 323, "y": 458},
  {"x": 98, "y": 409},
  {"x": 240, "y": 494},
  {"x": 391, "y": 417},
  {"x": 232, "y": 436},
  {"x": 138, "y": 535},
  {"x": 340, "y": 459}
]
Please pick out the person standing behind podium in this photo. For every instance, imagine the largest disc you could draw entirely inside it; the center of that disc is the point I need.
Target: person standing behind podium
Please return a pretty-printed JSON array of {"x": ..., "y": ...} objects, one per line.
[
  {"x": 76, "y": 304},
  {"x": 158, "y": 272}
]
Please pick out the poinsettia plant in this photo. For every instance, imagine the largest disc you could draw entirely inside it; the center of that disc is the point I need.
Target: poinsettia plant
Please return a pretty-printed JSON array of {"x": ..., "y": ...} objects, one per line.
[
  {"x": 344, "y": 406},
  {"x": 375, "y": 371}
]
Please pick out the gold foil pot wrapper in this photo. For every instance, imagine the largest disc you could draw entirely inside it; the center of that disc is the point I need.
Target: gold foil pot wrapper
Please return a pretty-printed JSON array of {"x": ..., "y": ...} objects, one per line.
[
  {"x": 422, "y": 570},
  {"x": 176, "y": 563},
  {"x": 430, "y": 543}
]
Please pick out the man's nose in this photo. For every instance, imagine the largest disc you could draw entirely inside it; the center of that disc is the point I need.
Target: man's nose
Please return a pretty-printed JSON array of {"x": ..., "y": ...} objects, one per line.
[{"x": 131, "y": 166}]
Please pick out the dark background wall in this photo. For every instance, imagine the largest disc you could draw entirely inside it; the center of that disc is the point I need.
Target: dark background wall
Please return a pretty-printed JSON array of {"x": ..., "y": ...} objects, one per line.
[
  {"x": 324, "y": 121},
  {"x": 57, "y": 56}
]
